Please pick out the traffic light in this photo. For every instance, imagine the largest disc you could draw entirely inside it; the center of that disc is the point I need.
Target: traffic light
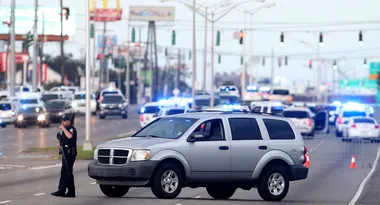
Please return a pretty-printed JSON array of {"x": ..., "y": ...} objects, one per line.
[
  {"x": 173, "y": 38},
  {"x": 241, "y": 60},
  {"x": 365, "y": 63},
  {"x": 360, "y": 38},
  {"x": 133, "y": 34},
  {"x": 310, "y": 64},
  {"x": 282, "y": 42},
  {"x": 65, "y": 13},
  {"x": 100, "y": 56},
  {"x": 28, "y": 41},
  {"x": 263, "y": 61},
  {"x": 286, "y": 60},
  {"x": 279, "y": 62},
  {"x": 241, "y": 37},
  {"x": 335, "y": 66},
  {"x": 219, "y": 59},
  {"x": 218, "y": 38},
  {"x": 320, "y": 39}
]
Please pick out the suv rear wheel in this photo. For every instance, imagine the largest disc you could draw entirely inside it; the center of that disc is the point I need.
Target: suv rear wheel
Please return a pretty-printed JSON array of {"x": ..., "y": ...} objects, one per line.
[
  {"x": 167, "y": 182},
  {"x": 274, "y": 184},
  {"x": 221, "y": 192},
  {"x": 114, "y": 190}
]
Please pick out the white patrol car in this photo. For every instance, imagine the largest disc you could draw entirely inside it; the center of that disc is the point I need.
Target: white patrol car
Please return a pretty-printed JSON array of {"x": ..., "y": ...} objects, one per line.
[
  {"x": 148, "y": 112},
  {"x": 166, "y": 111},
  {"x": 349, "y": 110},
  {"x": 7, "y": 113},
  {"x": 303, "y": 118},
  {"x": 65, "y": 92},
  {"x": 252, "y": 93},
  {"x": 229, "y": 90},
  {"x": 280, "y": 95},
  {"x": 268, "y": 107},
  {"x": 79, "y": 103}
]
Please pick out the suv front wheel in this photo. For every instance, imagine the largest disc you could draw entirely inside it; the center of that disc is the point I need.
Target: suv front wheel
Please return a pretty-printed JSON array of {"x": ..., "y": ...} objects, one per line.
[
  {"x": 220, "y": 192},
  {"x": 274, "y": 184},
  {"x": 114, "y": 190},
  {"x": 167, "y": 182}
]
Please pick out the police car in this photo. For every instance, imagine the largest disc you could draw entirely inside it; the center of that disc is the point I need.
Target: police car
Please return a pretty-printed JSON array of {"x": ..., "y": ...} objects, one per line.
[
  {"x": 349, "y": 110},
  {"x": 7, "y": 113},
  {"x": 79, "y": 103},
  {"x": 229, "y": 90},
  {"x": 148, "y": 112},
  {"x": 252, "y": 93},
  {"x": 361, "y": 128},
  {"x": 268, "y": 107},
  {"x": 280, "y": 95}
]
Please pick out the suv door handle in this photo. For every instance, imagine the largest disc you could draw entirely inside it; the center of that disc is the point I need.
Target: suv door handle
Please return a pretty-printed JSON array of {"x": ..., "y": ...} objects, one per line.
[
  {"x": 223, "y": 147},
  {"x": 263, "y": 147}
]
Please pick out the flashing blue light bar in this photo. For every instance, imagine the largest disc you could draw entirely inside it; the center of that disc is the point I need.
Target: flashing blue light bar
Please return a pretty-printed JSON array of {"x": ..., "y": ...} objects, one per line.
[
  {"x": 24, "y": 107},
  {"x": 142, "y": 110},
  {"x": 337, "y": 103},
  {"x": 264, "y": 89},
  {"x": 371, "y": 110},
  {"x": 354, "y": 106},
  {"x": 277, "y": 104},
  {"x": 231, "y": 106},
  {"x": 251, "y": 87}
]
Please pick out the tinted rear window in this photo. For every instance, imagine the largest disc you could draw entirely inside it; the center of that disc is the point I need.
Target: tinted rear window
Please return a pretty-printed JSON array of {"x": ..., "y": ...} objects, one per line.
[
  {"x": 244, "y": 129},
  {"x": 29, "y": 101},
  {"x": 112, "y": 99},
  {"x": 354, "y": 114},
  {"x": 5, "y": 106},
  {"x": 176, "y": 111},
  {"x": 281, "y": 92},
  {"x": 296, "y": 114},
  {"x": 279, "y": 129},
  {"x": 49, "y": 97},
  {"x": 151, "y": 109},
  {"x": 109, "y": 92},
  {"x": 364, "y": 120}
]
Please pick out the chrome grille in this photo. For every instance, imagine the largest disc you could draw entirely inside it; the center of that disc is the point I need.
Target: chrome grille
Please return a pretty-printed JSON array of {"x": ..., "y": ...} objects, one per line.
[{"x": 113, "y": 156}]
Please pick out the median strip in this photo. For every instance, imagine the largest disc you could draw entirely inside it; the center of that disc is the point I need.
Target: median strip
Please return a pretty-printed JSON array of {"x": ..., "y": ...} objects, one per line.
[{"x": 81, "y": 154}]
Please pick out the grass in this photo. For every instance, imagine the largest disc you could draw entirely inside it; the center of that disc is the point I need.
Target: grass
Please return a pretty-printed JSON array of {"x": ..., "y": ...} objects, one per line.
[{"x": 81, "y": 155}]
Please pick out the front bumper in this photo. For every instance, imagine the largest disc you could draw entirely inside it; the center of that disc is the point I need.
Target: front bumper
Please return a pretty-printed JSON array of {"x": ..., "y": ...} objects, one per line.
[
  {"x": 130, "y": 174},
  {"x": 6, "y": 121},
  {"x": 299, "y": 172},
  {"x": 31, "y": 122},
  {"x": 113, "y": 112},
  {"x": 364, "y": 135}
]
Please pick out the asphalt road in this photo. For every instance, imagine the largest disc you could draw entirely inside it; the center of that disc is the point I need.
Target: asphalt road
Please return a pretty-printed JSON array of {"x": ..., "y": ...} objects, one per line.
[
  {"x": 13, "y": 141},
  {"x": 330, "y": 181}
]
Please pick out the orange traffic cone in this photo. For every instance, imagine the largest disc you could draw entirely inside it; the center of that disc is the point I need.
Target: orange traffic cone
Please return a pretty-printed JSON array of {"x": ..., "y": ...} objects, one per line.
[
  {"x": 307, "y": 163},
  {"x": 353, "y": 162}
]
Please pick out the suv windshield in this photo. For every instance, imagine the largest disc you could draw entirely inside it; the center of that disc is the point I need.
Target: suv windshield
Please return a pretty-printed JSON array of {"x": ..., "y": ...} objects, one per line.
[
  {"x": 170, "y": 128},
  {"x": 280, "y": 92},
  {"x": 55, "y": 105},
  {"x": 32, "y": 110},
  {"x": 80, "y": 97},
  {"x": 113, "y": 99},
  {"x": 5, "y": 106},
  {"x": 49, "y": 97},
  {"x": 295, "y": 114},
  {"x": 354, "y": 114},
  {"x": 29, "y": 101}
]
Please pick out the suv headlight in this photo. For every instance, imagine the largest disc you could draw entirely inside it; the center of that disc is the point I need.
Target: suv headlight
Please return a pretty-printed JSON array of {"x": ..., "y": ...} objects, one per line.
[
  {"x": 20, "y": 118},
  {"x": 140, "y": 155},
  {"x": 96, "y": 154},
  {"x": 41, "y": 117}
]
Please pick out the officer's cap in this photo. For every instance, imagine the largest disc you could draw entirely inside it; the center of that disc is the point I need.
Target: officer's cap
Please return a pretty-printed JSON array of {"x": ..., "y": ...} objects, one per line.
[{"x": 65, "y": 118}]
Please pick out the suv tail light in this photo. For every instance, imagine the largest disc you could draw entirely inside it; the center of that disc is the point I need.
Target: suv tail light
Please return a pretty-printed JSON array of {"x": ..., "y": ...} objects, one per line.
[
  {"x": 310, "y": 122},
  {"x": 141, "y": 118},
  {"x": 353, "y": 126},
  {"x": 304, "y": 154},
  {"x": 100, "y": 98},
  {"x": 377, "y": 126},
  {"x": 340, "y": 120}
]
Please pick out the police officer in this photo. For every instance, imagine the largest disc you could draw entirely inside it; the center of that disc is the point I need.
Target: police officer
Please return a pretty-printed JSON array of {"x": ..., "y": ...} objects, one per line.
[{"x": 69, "y": 138}]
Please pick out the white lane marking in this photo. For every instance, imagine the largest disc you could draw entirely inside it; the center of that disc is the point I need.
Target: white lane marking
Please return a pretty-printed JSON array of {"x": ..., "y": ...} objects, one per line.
[
  {"x": 4, "y": 202},
  {"x": 93, "y": 183},
  {"x": 44, "y": 167},
  {"x": 317, "y": 145},
  {"x": 197, "y": 197},
  {"x": 9, "y": 165},
  {"x": 364, "y": 182},
  {"x": 39, "y": 194}
]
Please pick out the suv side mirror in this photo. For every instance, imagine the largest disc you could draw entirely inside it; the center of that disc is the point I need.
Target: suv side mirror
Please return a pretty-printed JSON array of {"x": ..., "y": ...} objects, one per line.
[{"x": 196, "y": 136}]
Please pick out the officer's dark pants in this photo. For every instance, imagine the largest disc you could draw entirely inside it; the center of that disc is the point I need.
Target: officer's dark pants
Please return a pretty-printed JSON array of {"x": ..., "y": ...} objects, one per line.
[{"x": 67, "y": 178}]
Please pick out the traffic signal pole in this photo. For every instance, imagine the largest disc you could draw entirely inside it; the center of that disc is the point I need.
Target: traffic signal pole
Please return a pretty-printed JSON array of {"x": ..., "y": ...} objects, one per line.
[
  {"x": 35, "y": 40},
  {"x": 62, "y": 51},
  {"x": 212, "y": 62},
  {"x": 243, "y": 84},
  {"x": 205, "y": 56}
]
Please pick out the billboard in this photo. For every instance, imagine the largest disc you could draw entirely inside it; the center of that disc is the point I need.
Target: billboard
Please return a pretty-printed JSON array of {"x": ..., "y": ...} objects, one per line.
[
  {"x": 48, "y": 16},
  {"x": 151, "y": 13},
  {"x": 111, "y": 43}
]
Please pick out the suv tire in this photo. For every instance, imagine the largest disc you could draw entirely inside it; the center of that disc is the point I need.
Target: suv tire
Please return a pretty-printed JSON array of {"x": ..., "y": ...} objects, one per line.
[
  {"x": 221, "y": 192},
  {"x": 114, "y": 190},
  {"x": 167, "y": 175},
  {"x": 273, "y": 174}
]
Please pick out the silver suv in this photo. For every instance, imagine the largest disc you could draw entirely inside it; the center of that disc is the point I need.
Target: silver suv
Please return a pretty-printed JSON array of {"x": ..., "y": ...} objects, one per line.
[{"x": 221, "y": 151}]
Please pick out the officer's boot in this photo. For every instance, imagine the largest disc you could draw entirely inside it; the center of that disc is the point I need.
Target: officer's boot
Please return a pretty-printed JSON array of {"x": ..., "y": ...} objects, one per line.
[
  {"x": 71, "y": 192},
  {"x": 58, "y": 193}
]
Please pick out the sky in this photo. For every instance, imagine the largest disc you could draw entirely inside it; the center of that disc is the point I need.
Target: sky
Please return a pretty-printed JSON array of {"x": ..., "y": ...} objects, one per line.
[{"x": 301, "y": 21}]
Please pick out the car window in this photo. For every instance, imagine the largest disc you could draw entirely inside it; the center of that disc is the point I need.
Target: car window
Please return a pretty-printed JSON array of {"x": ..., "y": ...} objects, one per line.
[
  {"x": 109, "y": 92},
  {"x": 112, "y": 99},
  {"x": 212, "y": 130},
  {"x": 296, "y": 114},
  {"x": 32, "y": 110},
  {"x": 47, "y": 97},
  {"x": 55, "y": 105},
  {"x": 265, "y": 109},
  {"x": 170, "y": 128},
  {"x": 354, "y": 114},
  {"x": 176, "y": 111},
  {"x": 244, "y": 129},
  {"x": 25, "y": 89},
  {"x": 257, "y": 109},
  {"x": 331, "y": 108},
  {"x": 364, "y": 120},
  {"x": 5, "y": 106},
  {"x": 29, "y": 101},
  {"x": 150, "y": 109},
  {"x": 279, "y": 129},
  {"x": 160, "y": 113},
  {"x": 280, "y": 92}
]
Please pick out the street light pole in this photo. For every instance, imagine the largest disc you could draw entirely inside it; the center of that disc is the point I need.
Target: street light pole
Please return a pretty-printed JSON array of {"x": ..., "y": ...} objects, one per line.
[
  {"x": 13, "y": 63},
  {"x": 212, "y": 62},
  {"x": 205, "y": 57},
  {"x": 251, "y": 50},
  {"x": 194, "y": 58},
  {"x": 87, "y": 146},
  {"x": 243, "y": 84},
  {"x": 35, "y": 40}
]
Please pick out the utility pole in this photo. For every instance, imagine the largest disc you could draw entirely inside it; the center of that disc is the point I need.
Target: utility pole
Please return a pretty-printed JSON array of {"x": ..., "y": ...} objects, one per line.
[
  {"x": 102, "y": 64},
  {"x": 140, "y": 85},
  {"x": 251, "y": 50},
  {"x": 42, "y": 49},
  {"x": 272, "y": 70},
  {"x": 194, "y": 76},
  {"x": 212, "y": 62},
  {"x": 94, "y": 51},
  {"x": 62, "y": 51},
  {"x": 205, "y": 56},
  {"x": 35, "y": 40},
  {"x": 13, "y": 62},
  {"x": 127, "y": 77},
  {"x": 243, "y": 83},
  {"x": 87, "y": 146},
  {"x": 176, "y": 81}
]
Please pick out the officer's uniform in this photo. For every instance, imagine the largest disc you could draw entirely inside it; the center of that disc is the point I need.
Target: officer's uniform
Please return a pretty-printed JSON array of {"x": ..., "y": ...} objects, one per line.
[{"x": 70, "y": 148}]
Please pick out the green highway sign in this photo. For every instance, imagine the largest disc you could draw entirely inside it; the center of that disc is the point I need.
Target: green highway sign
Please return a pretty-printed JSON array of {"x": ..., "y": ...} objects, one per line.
[
  {"x": 359, "y": 83},
  {"x": 374, "y": 68}
]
